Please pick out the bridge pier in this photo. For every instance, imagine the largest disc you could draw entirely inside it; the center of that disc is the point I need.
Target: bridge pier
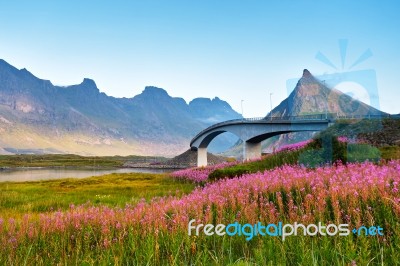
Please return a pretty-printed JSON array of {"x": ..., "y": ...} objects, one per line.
[
  {"x": 201, "y": 157},
  {"x": 252, "y": 150}
]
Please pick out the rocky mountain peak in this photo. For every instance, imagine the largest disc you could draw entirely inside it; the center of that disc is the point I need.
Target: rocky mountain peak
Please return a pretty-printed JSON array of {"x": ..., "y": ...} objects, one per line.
[
  {"x": 311, "y": 96},
  {"x": 7, "y": 68},
  {"x": 89, "y": 83},
  {"x": 306, "y": 73},
  {"x": 4, "y": 64},
  {"x": 308, "y": 80},
  {"x": 152, "y": 90},
  {"x": 26, "y": 74}
]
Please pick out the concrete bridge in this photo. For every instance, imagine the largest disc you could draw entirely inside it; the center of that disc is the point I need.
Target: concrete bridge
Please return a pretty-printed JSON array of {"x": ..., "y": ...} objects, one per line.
[{"x": 254, "y": 130}]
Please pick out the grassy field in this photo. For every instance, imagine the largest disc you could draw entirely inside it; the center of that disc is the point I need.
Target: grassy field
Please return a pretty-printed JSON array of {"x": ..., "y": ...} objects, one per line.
[
  {"x": 155, "y": 232},
  {"x": 71, "y": 160},
  {"x": 105, "y": 221},
  {"x": 114, "y": 190},
  {"x": 351, "y": 153},
  {"x": 390, "y": 152}
]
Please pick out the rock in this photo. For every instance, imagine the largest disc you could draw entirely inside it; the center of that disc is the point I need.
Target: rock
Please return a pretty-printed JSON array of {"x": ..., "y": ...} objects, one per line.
[{"x": 189, "y": 159}]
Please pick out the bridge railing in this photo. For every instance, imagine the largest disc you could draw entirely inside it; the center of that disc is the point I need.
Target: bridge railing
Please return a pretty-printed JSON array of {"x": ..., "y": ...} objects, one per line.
[
  {"x": 339, "y": 117},
  {"x": 299, "y": 117},
  {"x": 253, "y": 119},
  {"x": 330, "y": 116}
]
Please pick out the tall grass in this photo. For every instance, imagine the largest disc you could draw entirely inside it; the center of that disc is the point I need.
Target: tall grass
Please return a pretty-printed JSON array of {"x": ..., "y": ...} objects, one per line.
[
  {"x": 70, "y": 160},
  {"x": 155, "y": 232},
  {"x": 113, "y": 190},
  {"x": 285, "y": 157}
]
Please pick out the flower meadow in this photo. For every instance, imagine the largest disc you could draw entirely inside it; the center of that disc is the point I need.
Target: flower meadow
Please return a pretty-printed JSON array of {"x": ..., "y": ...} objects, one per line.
[
  {"x": 155, "y": 232},
  {"x": 353, "y": 140},
  {"x": 293, "y": 146},
  {"x": 343, "y": 139},
  {"x": 200, "y": 174}
]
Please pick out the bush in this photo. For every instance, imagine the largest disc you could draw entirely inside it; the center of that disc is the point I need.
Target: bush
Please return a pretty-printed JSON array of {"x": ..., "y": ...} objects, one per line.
[
  {"x": 312, "y": 158},
  {"x": 324, "y": 149},
  {"x": 331, "y": 149},
  {"x": 362, "y": 153},
  {"x": 390, "y": 152},
  {"x": 228, "y": 173},
  {"x": 269, "y": 162}
]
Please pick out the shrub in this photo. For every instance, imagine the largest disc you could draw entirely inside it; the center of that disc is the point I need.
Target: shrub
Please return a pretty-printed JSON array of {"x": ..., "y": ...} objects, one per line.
[
  {"x": 312, "y": 158},
  {"x": 362, "y": 153},
  {"x": 268, "y": 162},
  {"x": 331, "y": 149}
]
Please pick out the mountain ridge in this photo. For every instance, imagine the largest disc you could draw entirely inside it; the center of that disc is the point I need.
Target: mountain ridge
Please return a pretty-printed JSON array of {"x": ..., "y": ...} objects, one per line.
[{"x": 81, "y": 119}]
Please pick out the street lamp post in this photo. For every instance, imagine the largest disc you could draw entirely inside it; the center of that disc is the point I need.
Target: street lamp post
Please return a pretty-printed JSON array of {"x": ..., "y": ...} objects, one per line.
[
  {"x": 270, "y": 101},
  {"x": 326, "y": 103},
  {"x": 244, "y": 143},
  {"x": 241, "y": 104}
]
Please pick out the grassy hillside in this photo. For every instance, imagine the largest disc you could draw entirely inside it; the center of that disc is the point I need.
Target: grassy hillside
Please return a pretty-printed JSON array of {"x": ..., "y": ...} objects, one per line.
[
  {"x": 71, "y": 160},
  {"x": 103, "y": 220},
  {"x": 324, "y": 149},
  {"x": 377, "y": 132},
  {"x": 156, "y": 232},
  {"x": 114, "y": 190}
]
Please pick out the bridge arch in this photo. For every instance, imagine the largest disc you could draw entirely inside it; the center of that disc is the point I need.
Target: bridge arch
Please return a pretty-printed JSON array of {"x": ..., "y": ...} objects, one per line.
[
  {"x": 252, "y": 132},
  {"x": 209, "y": 138}
]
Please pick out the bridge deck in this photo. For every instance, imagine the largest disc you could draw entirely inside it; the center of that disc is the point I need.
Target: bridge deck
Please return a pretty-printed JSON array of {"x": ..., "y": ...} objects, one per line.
[{"x": 291, "y": 120}]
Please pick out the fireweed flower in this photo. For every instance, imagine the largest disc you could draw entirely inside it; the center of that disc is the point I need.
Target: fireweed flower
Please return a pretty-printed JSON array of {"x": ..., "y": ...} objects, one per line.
[
  {"x": 294, "y": 146},
  {"x": 290, "y": 193},
  {"x": 200, "y": 174}
]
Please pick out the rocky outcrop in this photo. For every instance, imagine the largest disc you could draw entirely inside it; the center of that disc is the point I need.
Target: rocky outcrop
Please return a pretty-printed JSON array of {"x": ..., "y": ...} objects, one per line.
[{"x": 189, "y": 159}]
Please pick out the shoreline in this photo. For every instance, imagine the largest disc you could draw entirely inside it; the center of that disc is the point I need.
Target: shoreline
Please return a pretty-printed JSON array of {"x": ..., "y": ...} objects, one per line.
[
  {"x": 156, "y": 166},
  {"x": 23, "y": 168}
]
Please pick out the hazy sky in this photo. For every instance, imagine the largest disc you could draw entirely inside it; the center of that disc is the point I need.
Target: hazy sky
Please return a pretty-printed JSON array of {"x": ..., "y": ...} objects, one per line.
[{"x": 236, "y": 50}]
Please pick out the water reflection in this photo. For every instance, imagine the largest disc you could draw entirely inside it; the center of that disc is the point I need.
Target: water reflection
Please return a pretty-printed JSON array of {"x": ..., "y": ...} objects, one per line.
[{"x": 30, "y": 174}]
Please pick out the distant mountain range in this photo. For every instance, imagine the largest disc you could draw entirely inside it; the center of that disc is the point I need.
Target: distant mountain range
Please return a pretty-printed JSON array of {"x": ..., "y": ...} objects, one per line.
[{"x": 38, "y": 117}]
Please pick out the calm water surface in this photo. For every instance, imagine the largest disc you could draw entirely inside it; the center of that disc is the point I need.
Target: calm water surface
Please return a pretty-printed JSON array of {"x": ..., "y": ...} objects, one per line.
[{"x": 35, "y": 174}]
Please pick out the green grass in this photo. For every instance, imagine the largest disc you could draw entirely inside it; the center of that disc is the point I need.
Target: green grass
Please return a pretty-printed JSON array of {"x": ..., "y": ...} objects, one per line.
[
  {"x": 177, "y": 248},
  {"x": 377, "y": 132},
  {"x": 390, "y": 152},
  {"x": 184, "y": 250},
  {"x": 269, "y": 162},
  {"x": 70, "y": 160},
  {"x": 111, "y": 190},
  {"x": 315, "y": 154}
]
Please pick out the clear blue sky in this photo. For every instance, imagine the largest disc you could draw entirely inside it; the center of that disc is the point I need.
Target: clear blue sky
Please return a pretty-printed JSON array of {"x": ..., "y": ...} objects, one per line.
[{"x": 231, "y": 49}]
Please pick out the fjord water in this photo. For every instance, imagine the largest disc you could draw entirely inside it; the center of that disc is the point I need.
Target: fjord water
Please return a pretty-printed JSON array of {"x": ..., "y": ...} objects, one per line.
[{"x": 36, "y": 174}]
